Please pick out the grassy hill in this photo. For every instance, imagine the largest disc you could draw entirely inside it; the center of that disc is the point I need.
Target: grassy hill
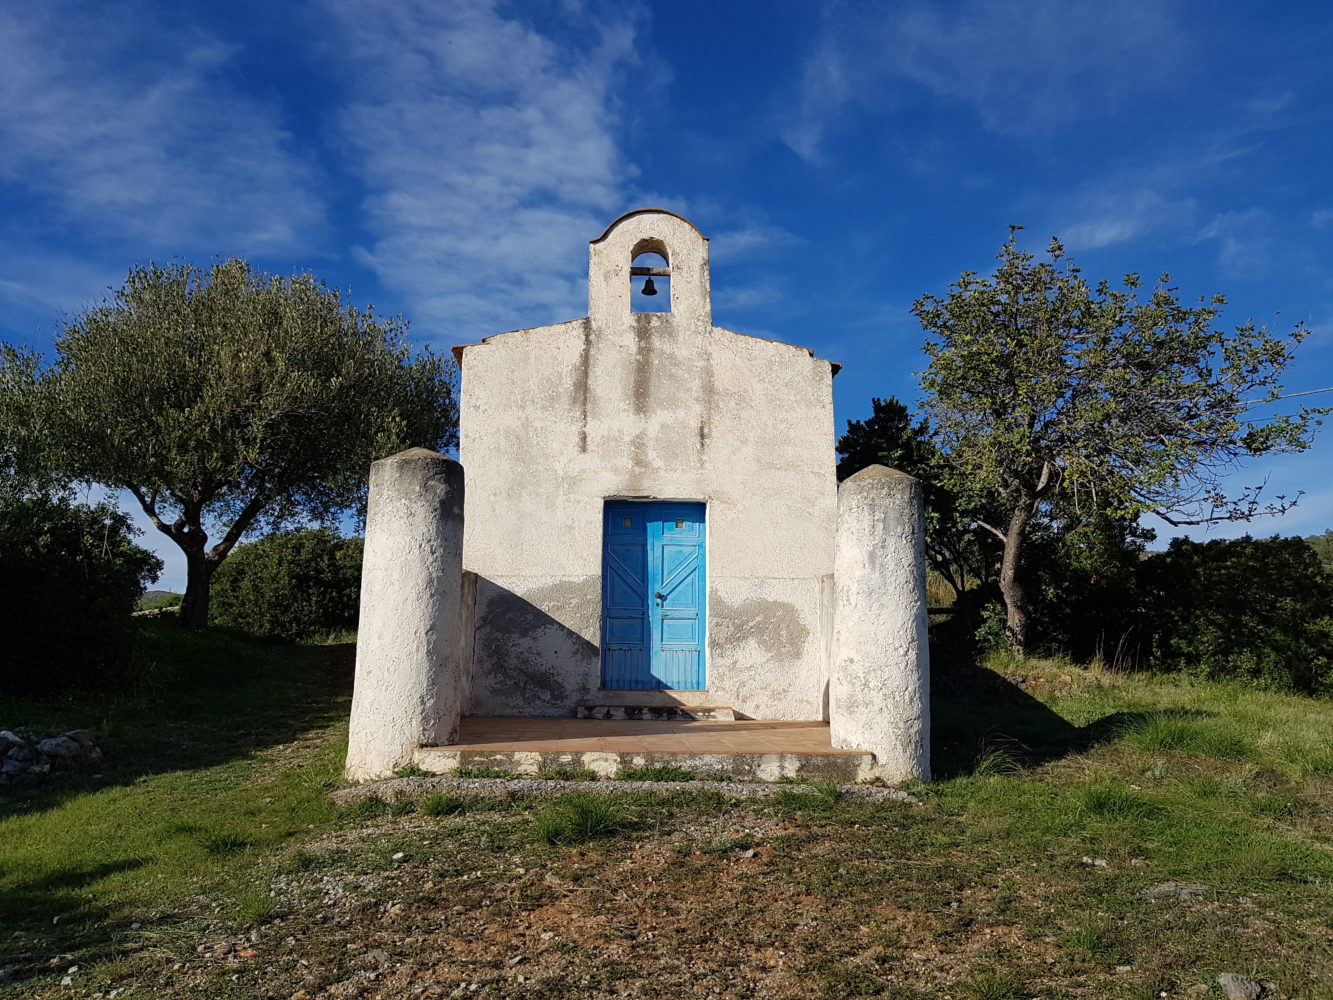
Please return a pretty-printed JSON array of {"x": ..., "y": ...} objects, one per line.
[{"x": 1091, "y": 835}]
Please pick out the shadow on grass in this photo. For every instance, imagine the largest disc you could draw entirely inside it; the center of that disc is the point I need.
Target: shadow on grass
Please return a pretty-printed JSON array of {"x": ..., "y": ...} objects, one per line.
[
  {"x": 207, "y": 699},
  {"x": 982, "y": 722}
]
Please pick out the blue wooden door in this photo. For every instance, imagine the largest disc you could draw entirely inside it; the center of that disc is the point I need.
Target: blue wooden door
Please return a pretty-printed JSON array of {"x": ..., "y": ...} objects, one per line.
[{"x": 653, "y": 586}]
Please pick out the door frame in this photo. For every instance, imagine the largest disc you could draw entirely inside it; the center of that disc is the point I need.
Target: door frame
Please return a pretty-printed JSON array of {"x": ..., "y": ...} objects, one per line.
[{"x": 704, "y": 650}]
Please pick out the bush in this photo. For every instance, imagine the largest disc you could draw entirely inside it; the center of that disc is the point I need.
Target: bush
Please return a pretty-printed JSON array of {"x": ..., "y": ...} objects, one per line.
[
  {"x": 291, "y": 584},
  {"x": 70, "y": 577},
  {"x": 1255, "y": 610}
]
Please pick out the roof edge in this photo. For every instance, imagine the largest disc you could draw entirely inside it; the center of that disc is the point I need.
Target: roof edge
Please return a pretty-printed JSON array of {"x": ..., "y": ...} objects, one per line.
[{"x": 648, "y": 211}]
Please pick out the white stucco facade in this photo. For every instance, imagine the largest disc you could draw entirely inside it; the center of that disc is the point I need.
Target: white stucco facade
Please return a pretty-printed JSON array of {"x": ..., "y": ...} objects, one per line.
[
  {"x": 488, "y": 601},
  {"x": 558, "y": 419}
]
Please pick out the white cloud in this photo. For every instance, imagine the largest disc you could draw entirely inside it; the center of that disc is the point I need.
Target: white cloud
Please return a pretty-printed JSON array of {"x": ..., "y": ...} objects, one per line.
[
  {"x": 490, "y": 152},
  {"x": 1025, "y": 67},
  {"x": 116, "y": 127}
]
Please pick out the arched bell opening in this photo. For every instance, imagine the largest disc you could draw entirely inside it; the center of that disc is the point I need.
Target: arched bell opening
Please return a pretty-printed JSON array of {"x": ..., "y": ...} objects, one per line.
[{"x": 650, "y": 278}]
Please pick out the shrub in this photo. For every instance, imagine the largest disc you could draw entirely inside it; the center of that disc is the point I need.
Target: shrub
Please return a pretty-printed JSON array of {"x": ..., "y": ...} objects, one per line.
[
  {"x": 70, "y": 577},
  {"x": 291, "y": 584},
  {"x": 1255, "y": 610}
]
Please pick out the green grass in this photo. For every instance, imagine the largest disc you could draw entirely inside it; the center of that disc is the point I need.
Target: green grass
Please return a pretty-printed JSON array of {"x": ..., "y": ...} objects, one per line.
[
  {"x": 206, "y": 769},
  {"x": 1033, "y": 867},
  {"x": 578, "y": 818}
]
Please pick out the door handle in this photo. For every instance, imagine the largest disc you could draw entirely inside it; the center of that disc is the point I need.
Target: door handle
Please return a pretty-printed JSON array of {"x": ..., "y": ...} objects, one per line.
[{"x": 660, "y": 596}]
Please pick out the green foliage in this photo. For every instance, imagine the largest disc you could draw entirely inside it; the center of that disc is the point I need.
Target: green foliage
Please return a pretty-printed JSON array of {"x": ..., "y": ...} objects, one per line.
[
  {"x": 1257, "y": 610},
  {"x": 1048, "y": 393},
  {"x": 290, "y": 584},
  {"x": 578, "y": 818},
  {"x": 1084, "y": 581},
  {"x": 228, "y": 399},
  {"x": 70, "y": 576}
]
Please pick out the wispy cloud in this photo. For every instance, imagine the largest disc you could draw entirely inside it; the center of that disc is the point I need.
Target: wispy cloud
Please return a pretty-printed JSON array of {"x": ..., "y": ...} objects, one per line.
[
  {"x": 120, "y": 129},
  {"x": 1245, "y": 245},
  {"x": 750, "y": 240},
  {"x": 1024, "y": 67},
  {"x": 490, "y": 152}
]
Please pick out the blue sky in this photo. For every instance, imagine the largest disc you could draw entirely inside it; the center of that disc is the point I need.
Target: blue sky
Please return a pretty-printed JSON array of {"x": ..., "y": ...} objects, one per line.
[{"x": 451, "y": 160}]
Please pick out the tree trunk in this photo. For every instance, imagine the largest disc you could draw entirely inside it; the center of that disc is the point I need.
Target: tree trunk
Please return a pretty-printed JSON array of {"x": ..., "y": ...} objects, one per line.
[
  {"x": 1015, "y": 600},
  {"x": 198, "y": 579}
]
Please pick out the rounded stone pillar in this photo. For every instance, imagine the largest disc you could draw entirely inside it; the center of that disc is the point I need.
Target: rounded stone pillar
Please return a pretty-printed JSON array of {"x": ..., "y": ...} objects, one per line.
[
  {"x": 879, "y": 697},
  {"x": 409, "y": 681}
]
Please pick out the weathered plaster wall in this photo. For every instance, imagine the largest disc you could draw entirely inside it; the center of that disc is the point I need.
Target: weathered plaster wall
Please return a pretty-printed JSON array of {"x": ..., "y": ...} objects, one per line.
[{"x": 556, "y": 419}]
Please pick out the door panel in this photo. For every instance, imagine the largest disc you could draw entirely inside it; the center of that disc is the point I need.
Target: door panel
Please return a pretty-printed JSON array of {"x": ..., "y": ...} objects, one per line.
[{"x": 653, "y": 590}]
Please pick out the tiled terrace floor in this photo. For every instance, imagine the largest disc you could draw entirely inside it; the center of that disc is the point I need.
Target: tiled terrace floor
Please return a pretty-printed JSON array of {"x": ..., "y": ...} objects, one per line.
[{"x": 492, "y": 735}]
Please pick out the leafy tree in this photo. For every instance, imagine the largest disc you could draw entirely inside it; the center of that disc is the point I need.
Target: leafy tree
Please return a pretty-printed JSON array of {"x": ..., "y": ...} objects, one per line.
[
  {"x": 1046, "y": 390},
  {"x": 888, "y": 437},
  {"x": 228, "y": 399},
  {"x": 290, "y": 584}
]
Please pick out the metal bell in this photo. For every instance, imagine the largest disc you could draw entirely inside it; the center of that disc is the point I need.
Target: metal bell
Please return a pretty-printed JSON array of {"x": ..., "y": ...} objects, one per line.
[{"x": 649, "y": 288}]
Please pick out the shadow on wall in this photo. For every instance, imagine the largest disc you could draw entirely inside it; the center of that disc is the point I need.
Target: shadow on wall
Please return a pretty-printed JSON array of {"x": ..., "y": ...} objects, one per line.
[{"x": 527, "y": 662}]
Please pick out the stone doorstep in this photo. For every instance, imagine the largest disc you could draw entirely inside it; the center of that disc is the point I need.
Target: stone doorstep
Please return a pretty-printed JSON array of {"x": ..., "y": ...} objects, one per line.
[
  {"x": 844, "y": 766},
  {"x": 656, "y": 713}
]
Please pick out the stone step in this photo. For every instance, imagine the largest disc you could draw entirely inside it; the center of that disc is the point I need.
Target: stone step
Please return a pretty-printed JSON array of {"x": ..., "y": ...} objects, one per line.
[
  {"x": 656, "y": 713},
  {"x": 845, "y": 767}
]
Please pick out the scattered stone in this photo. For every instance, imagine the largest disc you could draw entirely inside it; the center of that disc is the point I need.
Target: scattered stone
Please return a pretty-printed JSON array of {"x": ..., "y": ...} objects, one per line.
[
  {"x": 60, "y": 746},
  {"x": 22, "y": 762},
  {"x": 400, "y": 855},
  {"x": 547, "y": 935},
  {"x": 380, "y": 956},
  {"x": 1238, "y": 987}
]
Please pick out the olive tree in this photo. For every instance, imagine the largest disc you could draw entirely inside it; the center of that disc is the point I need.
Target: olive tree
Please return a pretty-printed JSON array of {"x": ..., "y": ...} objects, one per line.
[
  {"x": 227, "y": 399},
  {"x": 1112, "y": 400}
]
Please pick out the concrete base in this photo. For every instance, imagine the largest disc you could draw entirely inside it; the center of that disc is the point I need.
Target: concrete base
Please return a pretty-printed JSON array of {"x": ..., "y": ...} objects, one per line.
[{"x": 742, "y": 751}]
